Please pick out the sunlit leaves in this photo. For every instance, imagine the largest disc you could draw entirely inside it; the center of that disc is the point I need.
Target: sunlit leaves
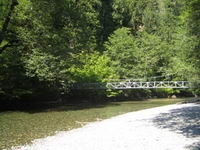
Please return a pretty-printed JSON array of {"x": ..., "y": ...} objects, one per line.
[
  {"x": 135, "y": 57},
  {"x": 122, "y": 51},
  {"x": 92, "y": 68}
]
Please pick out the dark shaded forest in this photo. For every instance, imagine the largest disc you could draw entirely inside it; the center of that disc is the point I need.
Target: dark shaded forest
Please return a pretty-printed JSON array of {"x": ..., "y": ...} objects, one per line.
[{"x": 48, "y": 45}]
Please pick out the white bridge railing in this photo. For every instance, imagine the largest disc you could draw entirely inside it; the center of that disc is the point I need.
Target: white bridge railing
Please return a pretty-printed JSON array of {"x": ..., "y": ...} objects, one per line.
[{"x": 135, "y": 85}]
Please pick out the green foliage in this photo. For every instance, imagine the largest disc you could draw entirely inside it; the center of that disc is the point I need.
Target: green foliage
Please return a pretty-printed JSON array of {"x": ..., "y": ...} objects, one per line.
[
  {"x": 139, "y": 15},
  {"x": 13, "y": 82},
  {"x": 139, "y": 56},
  {"x": 55, "y": 44},
  {"x": 153, "y": 54},
  {"x": 4, "y": 7},
  {"x": 192, "y": 20},
  {"x": 3, "y": 43},
  {"x": 92, "y": 68},
  {"x": 122, "y": 51},
  {"x": 166, "y": 92},
  {"x": 180, "y": 61},
  {"x": 44, "y": 66}
]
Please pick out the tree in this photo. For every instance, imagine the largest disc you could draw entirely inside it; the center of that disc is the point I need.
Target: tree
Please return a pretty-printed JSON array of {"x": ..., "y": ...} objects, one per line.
[
  {"x": 192, "y": 19},
  {"x": 54, "y": 44},
  {"x": 4, "y": 29},
  {"x": 107, "y": 24},
  {"x": 135, "y": 57},
  {"x": 92, "y": 68},
  {"x": 123, "y": 53}
]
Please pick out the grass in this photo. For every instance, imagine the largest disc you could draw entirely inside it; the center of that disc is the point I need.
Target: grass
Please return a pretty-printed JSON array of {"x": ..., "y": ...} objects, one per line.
[{"x": 19, "y": 128}]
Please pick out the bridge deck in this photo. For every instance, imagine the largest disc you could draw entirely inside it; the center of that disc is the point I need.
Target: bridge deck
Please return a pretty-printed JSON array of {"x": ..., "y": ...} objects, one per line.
[{"x": 134, "y": 85}]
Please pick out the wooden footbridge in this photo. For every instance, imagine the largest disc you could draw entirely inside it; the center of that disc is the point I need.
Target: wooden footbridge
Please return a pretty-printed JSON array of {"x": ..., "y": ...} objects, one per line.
[{"x": 129, "y": 84}]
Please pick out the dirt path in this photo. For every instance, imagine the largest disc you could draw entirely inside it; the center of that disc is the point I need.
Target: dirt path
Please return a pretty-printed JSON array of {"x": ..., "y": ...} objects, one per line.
[{"x": 174, "y": 127}]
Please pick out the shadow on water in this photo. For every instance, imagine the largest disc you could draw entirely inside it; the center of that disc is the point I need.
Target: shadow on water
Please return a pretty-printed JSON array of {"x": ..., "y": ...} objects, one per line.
[
  {"x": 185, "y": 121},
  {"x": 38, "y": 106},
  {"x": 58, "y": 107}
]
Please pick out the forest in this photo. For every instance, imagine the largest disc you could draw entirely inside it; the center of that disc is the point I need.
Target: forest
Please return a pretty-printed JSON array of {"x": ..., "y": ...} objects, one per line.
[{"x": 46, "y": 46}]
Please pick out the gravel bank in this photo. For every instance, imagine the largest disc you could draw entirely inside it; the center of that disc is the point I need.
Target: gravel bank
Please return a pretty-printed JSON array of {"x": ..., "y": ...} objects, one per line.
[{"x": 174, "y": 127}]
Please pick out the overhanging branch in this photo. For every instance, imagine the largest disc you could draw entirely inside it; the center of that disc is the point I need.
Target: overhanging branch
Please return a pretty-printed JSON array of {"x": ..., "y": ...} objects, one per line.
[{"x": 6, "y": 23}]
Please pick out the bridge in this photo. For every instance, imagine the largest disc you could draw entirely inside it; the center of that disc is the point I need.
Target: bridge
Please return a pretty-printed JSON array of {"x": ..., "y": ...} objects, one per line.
[{"x": 128, "y": 84}]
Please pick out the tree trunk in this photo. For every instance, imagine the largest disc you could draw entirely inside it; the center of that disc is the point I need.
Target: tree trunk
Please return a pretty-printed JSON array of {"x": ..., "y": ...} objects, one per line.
[{"x": 3, "y": 32}]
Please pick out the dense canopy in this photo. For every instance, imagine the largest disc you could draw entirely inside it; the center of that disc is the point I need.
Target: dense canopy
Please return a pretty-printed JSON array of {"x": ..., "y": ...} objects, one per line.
[{"x": 47, "y": 45}]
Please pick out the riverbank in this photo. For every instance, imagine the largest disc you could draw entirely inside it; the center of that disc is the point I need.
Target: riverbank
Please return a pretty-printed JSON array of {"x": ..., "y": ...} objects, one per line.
[
  {"x": 162, "y": 128},
  {"x": 21, "y": 127}
]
